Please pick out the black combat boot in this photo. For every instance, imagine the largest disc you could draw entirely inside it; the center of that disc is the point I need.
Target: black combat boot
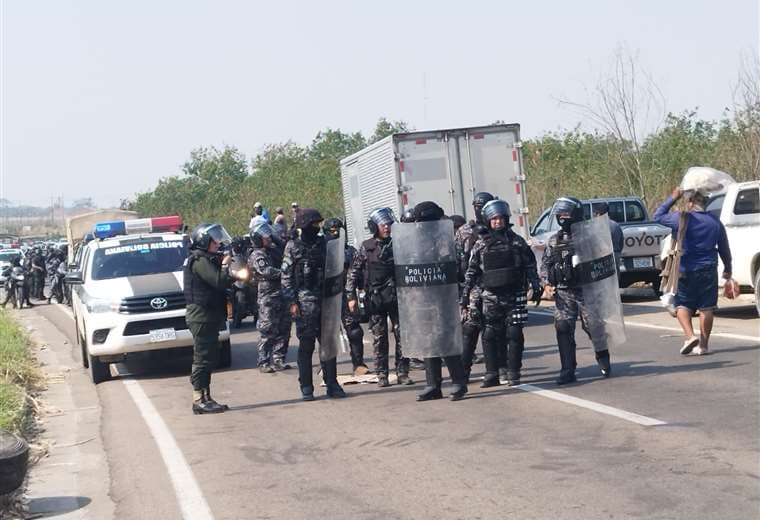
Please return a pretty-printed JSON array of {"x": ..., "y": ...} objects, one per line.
[
  {"x": 201, "y": 404},
  {"x": 567, "y": 359},
  {"x": 210, "y": 399},
  {"x": 492, "y": 365},
  {"x": 458, "y": 378},
  {"x": 305, "y": 376},
  {"x": 279, "y": 365},
  {"x": 515, "y": 355},
  {"x": 382, "y": 380},
  {"x": 330, "y": 376},
  {"x": 402, "y": 372},
  {"x": 603, "y": 360},
  {"x": 433, "y": 378}
]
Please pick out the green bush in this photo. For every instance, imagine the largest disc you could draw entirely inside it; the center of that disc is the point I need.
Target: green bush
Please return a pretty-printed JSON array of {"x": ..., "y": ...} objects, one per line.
[{"x": 18, "y": 374}]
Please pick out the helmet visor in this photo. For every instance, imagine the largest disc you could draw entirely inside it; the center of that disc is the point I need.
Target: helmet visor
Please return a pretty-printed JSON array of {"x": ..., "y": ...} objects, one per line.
[{"x": 218, "y": 234}]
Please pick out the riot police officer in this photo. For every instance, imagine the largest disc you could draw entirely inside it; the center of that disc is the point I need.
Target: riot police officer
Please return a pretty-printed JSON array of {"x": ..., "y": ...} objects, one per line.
[
  {"x": 265, "y": 269},
  {"x": 303, "y": 282},
  {"x": 501, "y": 263},
  {"x": 465, "y": 239},
  {"x": 373, "y": 269},
  {"x": 205, "y": 285},
  {"x": 351, "y": 322},
  {"x": 558, "y": 269},
  {"x": 37, "y": 270},
  {"x": 429, "y": 211}
]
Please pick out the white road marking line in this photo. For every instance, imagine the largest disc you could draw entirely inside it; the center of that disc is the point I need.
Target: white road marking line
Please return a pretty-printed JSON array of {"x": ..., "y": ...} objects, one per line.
[
  {"x": 755, "y": 339},
  {"x": 189, "y": 495},
  {"x": 591, "y": 405},
  {"x": 728, "y": 335}
]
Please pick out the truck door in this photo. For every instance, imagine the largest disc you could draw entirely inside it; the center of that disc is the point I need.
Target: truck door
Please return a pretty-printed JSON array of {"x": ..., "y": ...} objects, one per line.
[
  {"x": 494, "y": 164},
  {"x": 425, "y": 169},
  {"x": 353, "y": 203}
]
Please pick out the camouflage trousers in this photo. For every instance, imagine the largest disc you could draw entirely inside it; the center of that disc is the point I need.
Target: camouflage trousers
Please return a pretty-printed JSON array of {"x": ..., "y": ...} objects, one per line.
[
  {"x": 274, "y": 325},
  {"x": 569, "y": 306},
  {"x": 378, "y": 323}
]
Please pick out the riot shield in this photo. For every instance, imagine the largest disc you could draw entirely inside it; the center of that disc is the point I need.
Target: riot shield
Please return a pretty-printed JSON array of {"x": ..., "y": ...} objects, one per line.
[
  {"x": 332, "y": 299},
  {"x": 426, "y": 286},
  {"x": 594, "y": 268}
]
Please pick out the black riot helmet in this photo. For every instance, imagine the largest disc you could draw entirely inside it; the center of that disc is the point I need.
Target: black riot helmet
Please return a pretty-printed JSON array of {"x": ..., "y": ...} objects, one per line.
[
  {"x": 478, "y": 201},
  {"x": 567, "y": 211},
  {"x": 408, "y": 215},
  {"x": 307, "y": 217},
  {"x": 496, "y": 208},
  {"x": 378, "y": 217},
  {"x": 427, "y": 211},
  {"x": 331, "y": 227},
  {"x": 458, "y": 221},
  {"x": 205, "y": 232},
  {"x": 601, "y": 208}
]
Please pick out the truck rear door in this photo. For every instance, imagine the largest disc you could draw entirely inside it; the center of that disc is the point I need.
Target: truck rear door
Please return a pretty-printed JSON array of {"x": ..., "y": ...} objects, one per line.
[{"x": 493, "y": 163}]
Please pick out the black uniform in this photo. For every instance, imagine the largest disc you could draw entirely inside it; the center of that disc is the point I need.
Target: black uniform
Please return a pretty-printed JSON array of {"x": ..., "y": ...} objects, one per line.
[
  {"x": 501, "y": 264},
  {"x": 351, "y": 321},
  {"x": 303, "y": 277},
  {"x": 372, "y": 268}
]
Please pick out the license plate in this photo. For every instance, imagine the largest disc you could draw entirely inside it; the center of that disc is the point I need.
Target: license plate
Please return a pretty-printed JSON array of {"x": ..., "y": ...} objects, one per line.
[
  {"x": 162, "y": 335},
  {"x": 642, "y": 262}
]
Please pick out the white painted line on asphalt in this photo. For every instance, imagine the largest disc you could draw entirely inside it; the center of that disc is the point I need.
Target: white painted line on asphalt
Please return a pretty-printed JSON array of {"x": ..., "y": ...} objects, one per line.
[
  {"x": 728, "y": 335},
  {"x": 591, "y": 405},
  {"x": 189, "y": 495}
]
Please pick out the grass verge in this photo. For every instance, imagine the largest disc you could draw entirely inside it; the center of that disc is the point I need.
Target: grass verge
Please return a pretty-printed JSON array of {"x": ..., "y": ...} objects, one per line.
[{"x": 18, "y": 376}]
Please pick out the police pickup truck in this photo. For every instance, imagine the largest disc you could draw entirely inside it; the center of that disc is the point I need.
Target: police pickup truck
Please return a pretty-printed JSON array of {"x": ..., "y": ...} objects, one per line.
[
  {"x": 128, "y": 295},
  {"x": 642, "y": 238}
]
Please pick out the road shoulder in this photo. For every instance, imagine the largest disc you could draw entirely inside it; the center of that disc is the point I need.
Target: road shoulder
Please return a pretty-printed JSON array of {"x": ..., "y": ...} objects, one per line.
[{"x": 73, "y": 480}]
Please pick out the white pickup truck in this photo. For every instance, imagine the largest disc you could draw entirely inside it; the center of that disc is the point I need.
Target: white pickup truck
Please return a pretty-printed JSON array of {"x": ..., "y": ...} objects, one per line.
[{"x": 738, "y": 208}]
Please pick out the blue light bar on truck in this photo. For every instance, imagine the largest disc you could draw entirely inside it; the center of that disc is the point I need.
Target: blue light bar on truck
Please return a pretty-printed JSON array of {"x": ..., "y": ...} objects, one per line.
[{"x": 135, "y": 227}]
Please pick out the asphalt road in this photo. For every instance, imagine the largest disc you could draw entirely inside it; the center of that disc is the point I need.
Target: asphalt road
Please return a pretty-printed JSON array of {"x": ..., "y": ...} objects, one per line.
[{"x": 584, "y": 451}]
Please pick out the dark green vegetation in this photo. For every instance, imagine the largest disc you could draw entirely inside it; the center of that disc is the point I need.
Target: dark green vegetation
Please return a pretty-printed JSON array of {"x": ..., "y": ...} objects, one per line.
[{"x": 18, "y": 375}]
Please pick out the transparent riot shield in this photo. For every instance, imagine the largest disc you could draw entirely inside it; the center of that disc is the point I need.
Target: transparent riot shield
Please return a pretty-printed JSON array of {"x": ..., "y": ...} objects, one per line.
[
  {"x": 426, "y": 286},
  {"x": 594, "y": 268},
  {"x": 332, "y": 299}
]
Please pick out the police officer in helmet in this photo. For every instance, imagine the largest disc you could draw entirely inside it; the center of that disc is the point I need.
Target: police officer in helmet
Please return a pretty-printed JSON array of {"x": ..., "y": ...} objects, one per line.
[
  {"x": 206, "y": 280},
  {"x": 303, "y": 282},
  {"x": 351, "y": 320},
  {"x": 501, "y": 265},
  {"x": 465, "y": 238},
  {"x": 557, "y": 267},
  {"x": 373, "y": 269},
  {"x": 429, "y": 211}
]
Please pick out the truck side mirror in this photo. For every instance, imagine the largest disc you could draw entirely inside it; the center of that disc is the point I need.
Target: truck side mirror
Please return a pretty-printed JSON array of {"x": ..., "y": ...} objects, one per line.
[{"x": 73, "y": 278}]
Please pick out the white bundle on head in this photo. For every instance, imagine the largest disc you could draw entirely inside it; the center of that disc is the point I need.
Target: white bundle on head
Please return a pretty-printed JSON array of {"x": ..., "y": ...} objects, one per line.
[{"x": 705, "y": 180}]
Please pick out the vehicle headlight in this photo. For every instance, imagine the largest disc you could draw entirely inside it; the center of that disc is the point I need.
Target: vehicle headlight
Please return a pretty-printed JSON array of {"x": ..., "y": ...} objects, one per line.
[{"x": 96, "y": 305}]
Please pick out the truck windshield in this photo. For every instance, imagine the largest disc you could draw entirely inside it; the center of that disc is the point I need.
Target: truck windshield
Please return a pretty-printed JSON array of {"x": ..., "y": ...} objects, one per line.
[
  {"x": 9, "y": 256},
  {"x": 137, "y": 258}
]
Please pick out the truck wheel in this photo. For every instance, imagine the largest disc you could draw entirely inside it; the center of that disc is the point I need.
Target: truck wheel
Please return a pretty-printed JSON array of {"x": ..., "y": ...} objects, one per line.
[
  {"x": 757, "y": 291},
  {"x": 99, "y": 371},
  {"x": 225, "y": 354}
]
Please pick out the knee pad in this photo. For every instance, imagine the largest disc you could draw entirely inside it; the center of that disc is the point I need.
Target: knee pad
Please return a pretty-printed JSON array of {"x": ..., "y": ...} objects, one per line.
[
  {"x": 565, "y": 327},
  {"x": 355, "y": 333}
]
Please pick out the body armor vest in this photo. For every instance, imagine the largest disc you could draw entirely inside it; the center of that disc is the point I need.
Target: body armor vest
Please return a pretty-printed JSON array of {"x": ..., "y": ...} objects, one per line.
[
  {"x": 310, "y": 270},
  {"x": 502, "y": 265},
  {"x": 380, "y": 266},
  {"x": 197, "y": 291}
]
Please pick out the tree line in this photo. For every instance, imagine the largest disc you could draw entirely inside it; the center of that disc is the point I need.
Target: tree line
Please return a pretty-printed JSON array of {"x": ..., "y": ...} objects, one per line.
[{"x": 617, "y": 159}]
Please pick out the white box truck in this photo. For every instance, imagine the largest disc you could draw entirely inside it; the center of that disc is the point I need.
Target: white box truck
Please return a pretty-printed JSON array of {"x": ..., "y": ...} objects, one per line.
[{"x": 445, "y": 166}]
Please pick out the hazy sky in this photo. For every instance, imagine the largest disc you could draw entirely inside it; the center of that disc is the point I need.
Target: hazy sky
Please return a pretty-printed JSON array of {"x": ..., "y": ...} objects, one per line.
[{"x": 103, "y": 98}]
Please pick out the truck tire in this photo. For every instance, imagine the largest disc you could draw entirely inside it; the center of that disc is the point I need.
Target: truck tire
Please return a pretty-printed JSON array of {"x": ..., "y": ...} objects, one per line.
[
  {"x": 225, "y": 354},
  {"x": 99, "y": 371},
  {"x": 757, "y": 291},
  {"x": 14, "y": 460},
  {"x": 82, "y": 347}
]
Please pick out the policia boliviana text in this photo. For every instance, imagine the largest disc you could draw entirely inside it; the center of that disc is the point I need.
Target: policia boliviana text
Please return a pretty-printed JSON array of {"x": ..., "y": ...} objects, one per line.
[{"x": 206, "y": 280}]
